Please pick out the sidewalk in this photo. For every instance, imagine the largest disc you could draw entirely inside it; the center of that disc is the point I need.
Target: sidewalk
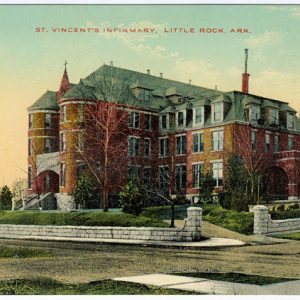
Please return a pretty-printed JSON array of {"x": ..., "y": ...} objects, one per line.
[{"x": 214, "y": 287}]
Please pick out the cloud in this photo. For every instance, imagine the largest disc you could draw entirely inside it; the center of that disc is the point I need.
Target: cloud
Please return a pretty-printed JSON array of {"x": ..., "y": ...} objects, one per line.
[{"x": 269, "y": 38}]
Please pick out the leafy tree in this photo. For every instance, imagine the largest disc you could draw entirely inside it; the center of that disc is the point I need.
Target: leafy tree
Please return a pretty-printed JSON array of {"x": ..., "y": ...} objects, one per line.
[
  {"x": 5, "y": 198},
  {"x": 84, "y": 191},
  {"x": 207, "y": 185},
  {"x": 131, "y": 198}
]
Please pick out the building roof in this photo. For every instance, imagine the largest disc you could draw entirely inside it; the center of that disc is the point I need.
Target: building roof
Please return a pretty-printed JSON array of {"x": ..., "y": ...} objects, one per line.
[{"x": 46, "y": 101}]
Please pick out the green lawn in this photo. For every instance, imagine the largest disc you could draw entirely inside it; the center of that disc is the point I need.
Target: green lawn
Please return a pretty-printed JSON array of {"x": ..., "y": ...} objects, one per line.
[
  {"x": 77, "y": 219},
  {"x": 291, "y": 236},
  {"x": 43, "y": 286},
  {"x": 14, "y": 252}
]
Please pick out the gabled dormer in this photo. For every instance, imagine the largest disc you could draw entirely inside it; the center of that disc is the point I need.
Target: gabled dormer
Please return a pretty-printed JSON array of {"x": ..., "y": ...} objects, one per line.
[
  {"x": 141, "y": 92},
  {"x": 174, "y": 96}
]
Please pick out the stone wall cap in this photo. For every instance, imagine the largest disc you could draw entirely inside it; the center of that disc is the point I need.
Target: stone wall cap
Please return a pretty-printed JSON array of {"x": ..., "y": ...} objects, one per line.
[
  {"x": 260, "y": 207},
  {"x": 194, "y": 208}
]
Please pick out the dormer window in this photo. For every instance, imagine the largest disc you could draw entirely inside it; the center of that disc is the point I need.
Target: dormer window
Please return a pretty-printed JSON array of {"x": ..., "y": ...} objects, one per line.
[
  {"x": 164, "y": 122},
  {"x": 180, "y": 118},
  {"x": 199, "y": 116},
  {"x": 254, "y": 113},
  {"x": 217, "y": 112},
  {"x": 273, "y": 116},
  {"x": 144, "y": 95},
  {"x": 290, "y": 121}
]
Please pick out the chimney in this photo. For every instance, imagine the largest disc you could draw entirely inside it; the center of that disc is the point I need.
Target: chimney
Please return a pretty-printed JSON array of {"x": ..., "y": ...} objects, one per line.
[
  {"x": 245, "y": 76},
  {"x": 111, "y": 63},
  {"x": 216, "y": 87},
  {"x": 190, "y": 81},
  {"x": 161, "y": 75},
  {"x": 148, "y": 71}
]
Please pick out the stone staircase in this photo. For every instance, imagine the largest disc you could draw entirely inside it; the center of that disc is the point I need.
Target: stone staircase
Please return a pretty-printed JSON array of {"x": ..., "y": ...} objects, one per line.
[{"x": 33, "y": 202}]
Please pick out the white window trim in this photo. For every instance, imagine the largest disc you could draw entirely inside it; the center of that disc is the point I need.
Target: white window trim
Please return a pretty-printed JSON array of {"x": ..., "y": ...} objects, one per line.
[
  {"x": 211, "y": 133},
  {"x": 184, "y": 119},
  {"x": 217, "y": 161},
  {"x": 136, "y": 137},
  {"x": 197, "y": 132},
  {"x": 179, "y": 135},
  {"x": 194, "y": 116},
  {"x": 159, "y": 147},
  {"x": 287, "y": 121},
  {"x": 251, "y": 113},
  {"x": 213, "y": 112},
  {"x": 167, "y": 120},
  {"x": 150, "y": 121},
  {"x": 135, "y": 112},
  {"x": 149, "y": 139},
  {"x": 194, "y": 164}
]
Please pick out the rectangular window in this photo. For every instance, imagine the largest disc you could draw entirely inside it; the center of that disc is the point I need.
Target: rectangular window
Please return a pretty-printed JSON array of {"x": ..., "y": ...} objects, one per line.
[
  {"x": 255, "y": 113},
  {"x": 29, "y": 147},
  {"x": 47, "y": 145},
  {"x": 133, "y": 172},
  {"x": 180, "y": 119},
  {"x": 30, "y": 121},
  {"x": 276, "y": 143},
  {"x": 30, "y": 177},
  {"x": 47, "y": 120},
  {"x": 217, "y": 173},
  {"x": 163, "y": 147},
  {"x": 148, "y": 176},
  {"x": 199, "y": 116},
  {"x": 180, "y": 176},
  {"x": 80, "y": 113},
  {"x": 147, "y": 121},
  {"x": 273, "y": 116},
  {"x": 253, "y": 138},
  {"x": 147, "y": 147},
  {"x": 133, "y": 146},
  {"x": 268, "y": 146},
  {"x": 290, "y": 143},
  {"x": 145, "y": 95},
  {"x": 217, "y": 112},
  {"x": 163, "y": 178},
  {"x": 63, "y": 141},
  {"x": 133, "y": 119},
  {"x": 63, "y": 113},
  {"x": 163, "y": 121},
  {"x": 197, "y": 173},
  {"x": 217, "y": 140},
  {"x": 80, "y": 140},
  {"x": 180, "y": 145},
  {"x": 198, "y": 142},
  {"x": 62, "y": 174},
  {"x": 290, "y": 121}
]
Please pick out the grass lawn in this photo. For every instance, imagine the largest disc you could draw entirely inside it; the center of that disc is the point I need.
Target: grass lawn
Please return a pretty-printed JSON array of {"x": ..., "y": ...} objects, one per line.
[
  {"x": 291, "y": 236},
  {"x": 238, "y": 278},
  {"x": 6, "y": 252},
  {"x": 45, "y": 286},
  {"x": 77, "y": 218}
]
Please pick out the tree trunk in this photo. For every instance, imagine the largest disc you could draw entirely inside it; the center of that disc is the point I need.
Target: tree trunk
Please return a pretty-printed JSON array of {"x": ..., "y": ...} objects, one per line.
[{"x": 172, "y": 214}]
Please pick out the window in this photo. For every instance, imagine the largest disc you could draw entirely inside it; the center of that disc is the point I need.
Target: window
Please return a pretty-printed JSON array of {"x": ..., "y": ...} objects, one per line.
[
  {"x": 47, "y": 120},
  {"x": 30, "y": 147},
  {"x": 47, "y": 146},
  {"x": 80, "y": 168},
  {"x": 46, "y": 183},
  {"x": 80, "y": 113},
  {"x": 290, "y": 143},
  {"x": 163, "y": 147},
  {"x": 147, "y": 147},
  {"x": 198, "y": 143},
  {"x": 30, "y": 121},
  {"x": 180, "y": 176},
  {"x": 217, "y": 140},
  {"x": 180, "y": 145},
  {"x": 147, "y": 121},
  {"x": 199, "y": 116},
  {"x": 145, "y": 95},
  {"x": 217, "y": 173},
  {"x": 180, "y": 116},
  {"x": 163, "y": 178},
  {"x": 30, "y": 177},
  {"x": 133, "y": 172},
  {"x": 253, "y": 139},
  {"x": 217, "y": 112},
  {"x": 273, "y": 116},
  {"x": 80, "y": 140},
  {"x": 133, "y": 146},
  {"x": 276, "y": 143},
  {"x": 267, "y": 138},
  {"x": 62, "y": 174},
  {"x": 197, "y": 173},
  {"x": 255, "y": 113},
  {"x": 63, "y": 142},
  {"x": 147, "y": 176},
  {"x": 164, "y": 122},
  {"x": 290, "y": 121},
  {"x": 63, "y": 113},
  {"x": 133, "y": 119}
]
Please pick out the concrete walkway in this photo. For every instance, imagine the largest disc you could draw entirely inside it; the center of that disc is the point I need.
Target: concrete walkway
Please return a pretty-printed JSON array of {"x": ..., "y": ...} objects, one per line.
[
  {"x": 214, "y": 287},
  {"x": 209, "y": 243}
]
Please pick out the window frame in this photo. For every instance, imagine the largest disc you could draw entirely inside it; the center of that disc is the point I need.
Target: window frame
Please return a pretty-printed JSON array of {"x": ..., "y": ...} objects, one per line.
[
  {"x": 63, "y": 113},
  {"x": 180, "y": 148},
  {"x": 47, "y": 121},
  {"x": 221, "y": 112},
  {"x": 63, "y": 141},
  {"x": 62, "y": 179},
  {"x": 219, "y": 178},
  {"x": 200, "y": 142},
  {"x": 134, "y": 119},
  {"x": 181, "y": 175},
  {"x": 165, "y": 142},
  {"x": 195, "y": 116},
  {"x": 219, "y": 140},
  {"x": 149, "y": 147},
  {"x": 149, "y": 128},
  {"x": 161, "y": 122},
  {"x": 199, "y": 174},
  {"x": 136, "y": 147},
  {"x": 47, "y": 139}
]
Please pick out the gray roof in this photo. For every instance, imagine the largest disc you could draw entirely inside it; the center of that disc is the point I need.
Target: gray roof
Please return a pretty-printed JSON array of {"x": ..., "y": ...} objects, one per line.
[{"x": 46, "y": 101}]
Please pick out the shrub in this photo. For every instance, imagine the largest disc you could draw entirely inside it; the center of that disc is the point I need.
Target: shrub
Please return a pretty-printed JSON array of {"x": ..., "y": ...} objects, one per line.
[
  {"x": 280, "y": 207},
  {"x": 84, "y": 193},
  {"x": 287, "y": 214},
  {"x": 225, "y": 200},
  {"x": 164, "y": 212},
  {"x": 294, "y": 206}
]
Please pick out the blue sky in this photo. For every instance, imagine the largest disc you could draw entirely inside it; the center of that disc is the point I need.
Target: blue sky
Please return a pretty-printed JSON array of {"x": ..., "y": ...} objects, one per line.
[{"x": 31, "y": 62}]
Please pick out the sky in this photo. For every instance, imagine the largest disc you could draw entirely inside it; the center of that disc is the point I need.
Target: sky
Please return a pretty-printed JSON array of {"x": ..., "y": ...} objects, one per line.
[{"x": 32, "y": 62}]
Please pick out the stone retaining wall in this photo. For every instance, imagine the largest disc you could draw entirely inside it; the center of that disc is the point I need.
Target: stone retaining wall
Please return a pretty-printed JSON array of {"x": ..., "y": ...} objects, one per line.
[
  {"x": 190, "y": 232},
  {"x": 263, "y": 224}
]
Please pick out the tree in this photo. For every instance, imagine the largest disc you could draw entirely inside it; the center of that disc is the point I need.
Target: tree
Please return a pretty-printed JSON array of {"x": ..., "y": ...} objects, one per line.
[
  {"x": 207, "y": 185},
  {"x": 5, "y": 198},
  {"x": 84, "y": 191}
]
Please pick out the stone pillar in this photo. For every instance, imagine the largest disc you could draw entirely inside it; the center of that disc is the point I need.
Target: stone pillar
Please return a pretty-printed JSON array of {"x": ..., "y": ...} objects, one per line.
[
  {"x": 261, "y": 219},
  {"x": 193, "y": 223},
  {"x": 293, "y": 191}
]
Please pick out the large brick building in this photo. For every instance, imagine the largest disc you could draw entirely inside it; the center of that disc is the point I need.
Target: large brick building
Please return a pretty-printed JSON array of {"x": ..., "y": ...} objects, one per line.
[{"x": 124, "y": 123}]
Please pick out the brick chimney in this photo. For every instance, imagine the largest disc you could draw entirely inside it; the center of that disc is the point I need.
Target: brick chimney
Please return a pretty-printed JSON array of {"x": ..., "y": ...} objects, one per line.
[{"x": 245, "y": 76}]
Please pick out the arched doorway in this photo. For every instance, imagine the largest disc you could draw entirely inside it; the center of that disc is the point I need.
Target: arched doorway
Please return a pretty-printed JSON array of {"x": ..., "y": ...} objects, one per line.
[
  {"x": 276, "y": 184},
  {"x": 48, "y": 181}
]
